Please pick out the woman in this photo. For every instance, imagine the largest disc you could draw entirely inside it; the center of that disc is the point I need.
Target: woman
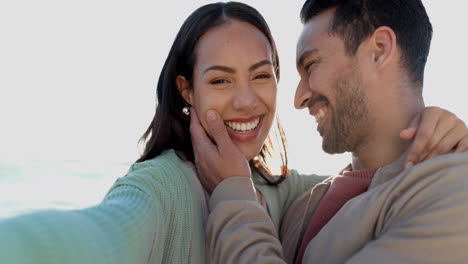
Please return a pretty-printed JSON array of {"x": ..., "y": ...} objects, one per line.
[{"x": 157, "y": 212}]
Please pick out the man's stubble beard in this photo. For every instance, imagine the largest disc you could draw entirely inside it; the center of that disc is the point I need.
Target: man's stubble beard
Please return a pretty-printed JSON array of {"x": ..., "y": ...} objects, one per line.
[{"x": 349, "y": 117}]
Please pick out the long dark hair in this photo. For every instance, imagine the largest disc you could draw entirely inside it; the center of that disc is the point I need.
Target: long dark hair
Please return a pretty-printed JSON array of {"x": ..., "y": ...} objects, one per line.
[{"x": 170, "y": 127}]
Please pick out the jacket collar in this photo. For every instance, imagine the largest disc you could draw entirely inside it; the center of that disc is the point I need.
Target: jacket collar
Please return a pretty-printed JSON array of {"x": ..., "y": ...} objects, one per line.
[
  {"x": 389, "y": 171},
  {"x": 386, "y": 172}
]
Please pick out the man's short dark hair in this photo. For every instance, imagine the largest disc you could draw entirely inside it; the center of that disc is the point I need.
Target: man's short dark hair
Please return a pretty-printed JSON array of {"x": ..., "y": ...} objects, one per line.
[{"x": 356, "y": 20}]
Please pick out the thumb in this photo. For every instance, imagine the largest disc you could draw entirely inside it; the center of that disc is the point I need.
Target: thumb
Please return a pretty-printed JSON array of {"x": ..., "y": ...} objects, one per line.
[
  {"x": 218, "y": 130},
  {"x": 410, "y": 131},
  {"x": 197, "y": 133}
]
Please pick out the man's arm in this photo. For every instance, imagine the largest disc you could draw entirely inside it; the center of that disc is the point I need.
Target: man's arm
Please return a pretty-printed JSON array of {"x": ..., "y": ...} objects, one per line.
[{"x": 239, "y": 230}]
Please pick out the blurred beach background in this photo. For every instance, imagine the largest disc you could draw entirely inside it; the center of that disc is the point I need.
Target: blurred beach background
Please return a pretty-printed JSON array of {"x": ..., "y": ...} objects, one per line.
[{"x": 77, "y": 90}]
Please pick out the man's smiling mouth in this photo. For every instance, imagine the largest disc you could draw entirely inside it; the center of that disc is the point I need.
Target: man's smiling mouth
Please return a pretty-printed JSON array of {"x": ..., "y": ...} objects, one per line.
[{"x": 320, "y": 114}]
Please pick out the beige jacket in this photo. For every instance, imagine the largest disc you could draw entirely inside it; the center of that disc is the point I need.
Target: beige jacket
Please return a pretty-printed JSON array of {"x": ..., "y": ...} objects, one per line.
[{"x": 419, "y": 215}]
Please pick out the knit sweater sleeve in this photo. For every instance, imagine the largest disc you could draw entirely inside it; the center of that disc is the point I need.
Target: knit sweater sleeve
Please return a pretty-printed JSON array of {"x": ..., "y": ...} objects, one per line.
[
  {"x": 297, "y": 185},
  {"x": 131, "y": 225}
]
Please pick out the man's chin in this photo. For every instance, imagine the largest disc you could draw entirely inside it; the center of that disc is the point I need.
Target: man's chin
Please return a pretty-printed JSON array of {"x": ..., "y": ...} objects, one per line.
[{"x": 333, "y": 147}]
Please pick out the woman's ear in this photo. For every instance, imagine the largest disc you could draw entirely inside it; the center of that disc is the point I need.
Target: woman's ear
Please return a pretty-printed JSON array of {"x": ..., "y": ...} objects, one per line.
[{"x": 184, "y": 88}]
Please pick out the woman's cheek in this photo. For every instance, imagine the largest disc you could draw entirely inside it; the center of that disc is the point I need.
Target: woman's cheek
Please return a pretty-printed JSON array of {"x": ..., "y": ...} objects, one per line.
[
  {"x": 203, "y": 105},
  {"x": 269, "y": 98}
]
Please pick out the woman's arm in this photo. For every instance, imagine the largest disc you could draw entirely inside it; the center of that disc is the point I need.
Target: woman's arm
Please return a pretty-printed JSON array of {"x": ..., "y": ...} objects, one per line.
[
  {"x": 110, "y": 232},
  {"x": 129, "y": 226}
]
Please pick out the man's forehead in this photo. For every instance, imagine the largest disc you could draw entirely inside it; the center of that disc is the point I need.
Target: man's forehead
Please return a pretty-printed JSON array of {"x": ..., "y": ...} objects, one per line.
[
  {"x": 312, "y": 30},
  {"x": 307, "y": 41},
  {"x": 304, "y": 39}
]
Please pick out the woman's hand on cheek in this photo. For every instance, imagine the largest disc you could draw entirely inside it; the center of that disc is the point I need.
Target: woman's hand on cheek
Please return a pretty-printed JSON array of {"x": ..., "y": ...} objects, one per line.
[
  {"x": 218, "y": 160},
  {"x": 436, "y": 131}
]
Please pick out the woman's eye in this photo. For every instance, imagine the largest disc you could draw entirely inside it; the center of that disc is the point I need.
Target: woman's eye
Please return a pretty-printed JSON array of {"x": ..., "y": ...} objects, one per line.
[
  {"x": 262, "y": 76},
  {"x": 219, "y": 81}
]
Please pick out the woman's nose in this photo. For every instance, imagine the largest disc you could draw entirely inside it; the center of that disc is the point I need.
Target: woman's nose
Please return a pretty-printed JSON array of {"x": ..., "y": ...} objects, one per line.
[{"x": 245, "y": 100}]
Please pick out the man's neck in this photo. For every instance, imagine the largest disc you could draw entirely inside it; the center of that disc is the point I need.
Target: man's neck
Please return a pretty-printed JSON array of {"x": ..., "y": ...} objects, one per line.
[{"x": 384, "y": 145}]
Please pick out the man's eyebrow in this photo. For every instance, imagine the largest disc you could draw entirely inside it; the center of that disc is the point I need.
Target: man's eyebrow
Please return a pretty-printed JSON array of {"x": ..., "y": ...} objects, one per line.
[
  {"x": 304, "y": 55},
  {"x": 260, "y": 64},
  {"x": 219, "y": 68}
]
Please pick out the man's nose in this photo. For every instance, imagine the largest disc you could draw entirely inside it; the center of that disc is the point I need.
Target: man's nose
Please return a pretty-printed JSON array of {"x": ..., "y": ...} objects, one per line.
[{"x": 302, "y": 96}]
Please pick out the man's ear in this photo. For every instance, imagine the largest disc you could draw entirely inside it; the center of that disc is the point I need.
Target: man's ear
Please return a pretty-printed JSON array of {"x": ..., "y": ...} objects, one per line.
[
  {"x": 184, "y": 88},
  {"x": 384, "y": 47}
]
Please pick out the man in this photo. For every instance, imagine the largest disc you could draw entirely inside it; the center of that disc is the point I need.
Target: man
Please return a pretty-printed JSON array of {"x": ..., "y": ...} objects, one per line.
[{"x": 361, "y": 64}]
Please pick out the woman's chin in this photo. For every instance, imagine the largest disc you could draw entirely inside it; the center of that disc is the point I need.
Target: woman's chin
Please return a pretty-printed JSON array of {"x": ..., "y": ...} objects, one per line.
[{"x": 249, "y": 153}]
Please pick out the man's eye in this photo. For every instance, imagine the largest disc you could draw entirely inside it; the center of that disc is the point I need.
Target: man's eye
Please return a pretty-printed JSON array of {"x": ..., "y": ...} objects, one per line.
[
  {"x": 219, "y": 81},
  {"x": 309, "y": 65}
]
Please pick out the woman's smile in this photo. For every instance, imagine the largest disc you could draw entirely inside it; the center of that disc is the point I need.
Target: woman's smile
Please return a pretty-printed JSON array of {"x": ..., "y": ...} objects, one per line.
[{"x": 243, "y": 130}]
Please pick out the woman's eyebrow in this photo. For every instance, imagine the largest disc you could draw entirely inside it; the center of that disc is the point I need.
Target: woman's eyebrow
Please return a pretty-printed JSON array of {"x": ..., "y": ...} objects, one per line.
[
  {"x": 231, "y": 70},
  {"x": 219, "y": 68},
  {"x": 259, "y": 64}
]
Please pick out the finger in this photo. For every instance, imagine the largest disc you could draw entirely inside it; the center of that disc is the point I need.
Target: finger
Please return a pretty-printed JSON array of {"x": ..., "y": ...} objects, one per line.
[
  {"x": 446, "y": 144},
  {"x": 435, "y": 124},
  {"x": 444, "y": 138},
  {"x": 462, "y": 145},
  {"x": 200, "y": 140},
  {"x": 218, "y": 131},
  {"x": 448, "y": 132},
  {"x": 410, "y": 131},
  {"x": 419, "y": 148},
  {"x": 450, "y": 142},
  {"x": 415, "y": 153},
  {"x": 203, "y": 149}
]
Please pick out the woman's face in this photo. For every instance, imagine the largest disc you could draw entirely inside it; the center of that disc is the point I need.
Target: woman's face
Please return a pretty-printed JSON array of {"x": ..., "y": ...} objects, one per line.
[{"x": 234, "y": 75}]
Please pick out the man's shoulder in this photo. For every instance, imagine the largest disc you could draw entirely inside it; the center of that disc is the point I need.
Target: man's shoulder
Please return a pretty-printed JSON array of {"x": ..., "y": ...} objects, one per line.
[
  {"x": 417, "y": 212},
  {"x": 455, "y": 163},
  {"x": 441, "y": 178}
]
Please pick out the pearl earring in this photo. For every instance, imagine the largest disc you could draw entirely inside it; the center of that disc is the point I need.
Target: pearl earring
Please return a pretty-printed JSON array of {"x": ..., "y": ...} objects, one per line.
[{"x": 186, "y": 110}]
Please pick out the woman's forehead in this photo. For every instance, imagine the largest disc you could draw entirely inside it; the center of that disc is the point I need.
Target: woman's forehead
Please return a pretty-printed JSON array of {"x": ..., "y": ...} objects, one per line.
[{"x": 231, "y": 41}]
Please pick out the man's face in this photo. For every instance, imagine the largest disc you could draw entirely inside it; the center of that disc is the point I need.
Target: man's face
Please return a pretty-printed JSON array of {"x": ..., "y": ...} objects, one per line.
[{"x": 331, "y": 86}]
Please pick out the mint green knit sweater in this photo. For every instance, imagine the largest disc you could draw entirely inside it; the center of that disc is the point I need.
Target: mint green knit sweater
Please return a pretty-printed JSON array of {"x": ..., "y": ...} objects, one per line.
[{"x": 152, "y": 215}]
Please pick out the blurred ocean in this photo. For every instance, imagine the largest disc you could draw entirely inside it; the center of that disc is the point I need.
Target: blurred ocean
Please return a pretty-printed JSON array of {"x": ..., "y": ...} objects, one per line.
[{"x": 29, "y": 184}]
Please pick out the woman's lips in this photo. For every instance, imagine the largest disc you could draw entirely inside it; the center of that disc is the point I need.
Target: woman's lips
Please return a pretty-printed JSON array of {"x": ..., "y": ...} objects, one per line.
[{"x": 244, "y": 130}]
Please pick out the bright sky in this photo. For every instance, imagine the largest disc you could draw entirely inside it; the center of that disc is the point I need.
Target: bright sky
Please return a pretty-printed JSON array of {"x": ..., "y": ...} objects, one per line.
[{"x": 78, "y": 78}]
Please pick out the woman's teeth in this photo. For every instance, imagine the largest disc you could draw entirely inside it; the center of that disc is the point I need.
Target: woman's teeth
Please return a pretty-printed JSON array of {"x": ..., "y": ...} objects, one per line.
[
  {"x": 243, "y": 127},
  {"x": 320, "y": 114}
]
